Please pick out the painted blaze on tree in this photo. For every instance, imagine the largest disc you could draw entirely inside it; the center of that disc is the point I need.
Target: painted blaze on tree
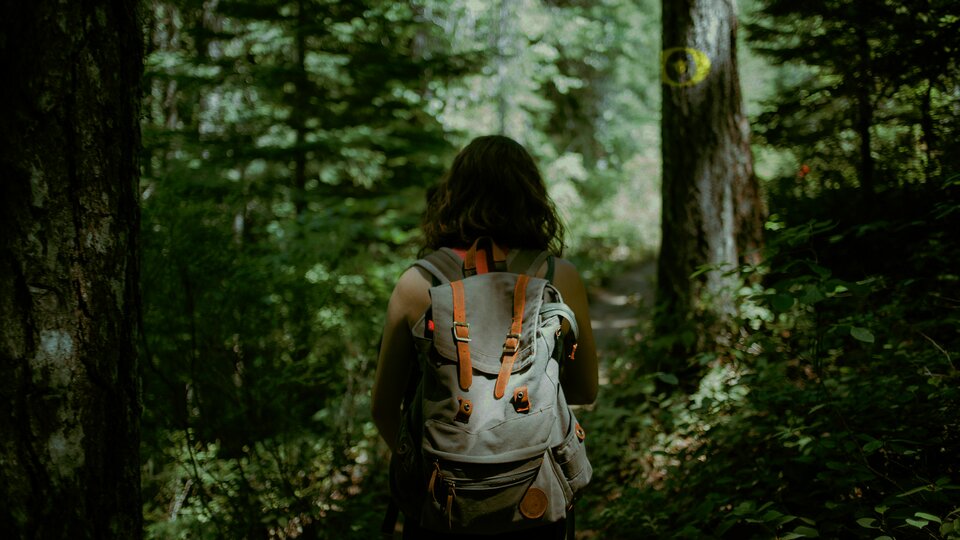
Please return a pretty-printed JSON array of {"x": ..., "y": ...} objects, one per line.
[
  {"x": 712, "y": 211},
  {"x": 69, "y": 459}
]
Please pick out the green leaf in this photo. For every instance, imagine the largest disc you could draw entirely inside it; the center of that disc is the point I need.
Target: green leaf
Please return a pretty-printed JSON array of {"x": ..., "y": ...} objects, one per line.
[
  {"x": 929, "y": 517},
  {"x": 816, "y": 408},
  {"x": 803, "y": 532},
  {"x": 821, "y": 271},
  {"x": 869, "y": 523},
  {"x": 781, "y": 302},
  {"x": 918, "y": 523},
  {"x": 771, "y": 515},
  {"x": 812, "y": 295},
  {"x": 872, "y": 446},
  {"x": 668, "y": 378},
  {"x": 914, "y": 490},
  {"x": 862, "y": 334},
  {"x": 884, "y": 537}
]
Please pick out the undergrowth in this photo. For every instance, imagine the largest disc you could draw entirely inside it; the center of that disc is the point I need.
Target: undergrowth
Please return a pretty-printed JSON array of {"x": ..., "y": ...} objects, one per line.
[{"x": 830, "y": 412}]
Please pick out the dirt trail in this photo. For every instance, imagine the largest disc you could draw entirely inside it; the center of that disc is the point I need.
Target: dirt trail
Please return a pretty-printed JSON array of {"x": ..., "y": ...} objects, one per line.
[{"x": 620, "y": 304}]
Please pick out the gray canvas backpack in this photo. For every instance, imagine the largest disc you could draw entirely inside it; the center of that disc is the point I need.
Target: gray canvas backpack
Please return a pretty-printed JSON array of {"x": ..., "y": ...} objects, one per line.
[{"x": 487, "y": 442}]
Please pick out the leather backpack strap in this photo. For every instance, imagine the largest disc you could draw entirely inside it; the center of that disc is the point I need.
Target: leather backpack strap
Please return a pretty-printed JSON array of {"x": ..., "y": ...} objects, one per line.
[
  {"x": 461, "y": 334},
  {"x": 511, "y": 346},
  {"x": 529, "y": 262}
]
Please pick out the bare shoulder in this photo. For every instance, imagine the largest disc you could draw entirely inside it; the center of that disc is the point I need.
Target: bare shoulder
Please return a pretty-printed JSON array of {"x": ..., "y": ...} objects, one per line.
[
  {"x": 562, "y": 265},
  {"x": 566, "y": 276},
  {"x": 411, "y": 295}
]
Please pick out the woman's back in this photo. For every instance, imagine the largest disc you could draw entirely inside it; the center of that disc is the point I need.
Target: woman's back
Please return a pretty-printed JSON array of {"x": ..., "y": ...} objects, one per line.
[{"x": 494, "y": 190}]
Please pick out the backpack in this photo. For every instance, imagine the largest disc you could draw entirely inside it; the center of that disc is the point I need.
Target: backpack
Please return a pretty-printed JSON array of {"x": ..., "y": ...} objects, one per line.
[{"x": 487, "y": 441}]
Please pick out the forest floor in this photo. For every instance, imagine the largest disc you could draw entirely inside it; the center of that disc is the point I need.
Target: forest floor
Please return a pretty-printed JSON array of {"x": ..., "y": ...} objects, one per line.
[{"x": 620, "y": 303}]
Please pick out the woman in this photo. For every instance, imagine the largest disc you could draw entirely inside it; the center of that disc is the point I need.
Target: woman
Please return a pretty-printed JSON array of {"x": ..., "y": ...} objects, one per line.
[{"x": 492, "y": 190}]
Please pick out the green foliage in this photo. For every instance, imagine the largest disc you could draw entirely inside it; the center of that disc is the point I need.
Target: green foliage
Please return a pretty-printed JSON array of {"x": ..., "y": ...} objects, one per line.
[
  {"x": 831, "y": 414},
  {"x": 883, "y": 74},
  {"x": 287, "y": 147},
  {"x": 287, "y": 150}
]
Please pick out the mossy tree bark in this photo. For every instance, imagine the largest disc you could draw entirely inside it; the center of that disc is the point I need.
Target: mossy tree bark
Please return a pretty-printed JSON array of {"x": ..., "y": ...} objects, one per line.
[
  {"x": 712, "y": 211},
  {"x": 69, "y": 273}
]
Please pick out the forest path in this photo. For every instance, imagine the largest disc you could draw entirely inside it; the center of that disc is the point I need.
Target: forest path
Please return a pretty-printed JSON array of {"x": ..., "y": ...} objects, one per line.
[
  {"x": 621, "y": 303},
  {"x": 625, "y": 300}
]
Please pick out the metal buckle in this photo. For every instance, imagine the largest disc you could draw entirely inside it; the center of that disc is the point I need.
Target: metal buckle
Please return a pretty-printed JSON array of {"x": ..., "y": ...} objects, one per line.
[
  {"x": 456, "y": 336},
  {"x": 507, "y": 349}
]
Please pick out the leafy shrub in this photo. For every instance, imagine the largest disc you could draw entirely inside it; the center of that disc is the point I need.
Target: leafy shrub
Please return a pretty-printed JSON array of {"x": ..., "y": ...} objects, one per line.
[{"x": 832, "y": 413}]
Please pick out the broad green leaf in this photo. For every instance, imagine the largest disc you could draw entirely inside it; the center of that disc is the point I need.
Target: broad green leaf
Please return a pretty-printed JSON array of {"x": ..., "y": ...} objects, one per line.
[
  {"x": 918, "y": 523},
  {"x": 781, "y": 302},
  {"x": 862, "y": 334},
  {"x": 869, "y": 523}
]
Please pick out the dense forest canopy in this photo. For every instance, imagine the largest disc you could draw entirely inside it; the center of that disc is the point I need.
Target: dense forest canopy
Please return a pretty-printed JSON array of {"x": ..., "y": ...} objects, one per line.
[
  {"x": 791, "y": 169},
  {"x": 287, "y": 150}
]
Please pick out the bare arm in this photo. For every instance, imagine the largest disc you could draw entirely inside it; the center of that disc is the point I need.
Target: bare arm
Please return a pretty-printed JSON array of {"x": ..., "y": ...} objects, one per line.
[
  {"x": 580, "y": 376},
  {"x": 397, "y": 353}
]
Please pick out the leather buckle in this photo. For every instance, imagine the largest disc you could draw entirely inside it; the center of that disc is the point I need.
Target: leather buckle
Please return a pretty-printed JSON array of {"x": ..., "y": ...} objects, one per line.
[
  {"x": 457, "y": 325},
  {"x": 511, "y": 348}
]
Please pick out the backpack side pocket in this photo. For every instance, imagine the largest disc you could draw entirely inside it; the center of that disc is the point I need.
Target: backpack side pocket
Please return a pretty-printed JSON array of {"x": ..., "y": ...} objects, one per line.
[{"x": 571, "y": 458}]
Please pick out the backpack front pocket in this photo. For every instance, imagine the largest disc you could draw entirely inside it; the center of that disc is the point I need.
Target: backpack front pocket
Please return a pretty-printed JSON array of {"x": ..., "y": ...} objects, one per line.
[{"x": 487, "y": 499}]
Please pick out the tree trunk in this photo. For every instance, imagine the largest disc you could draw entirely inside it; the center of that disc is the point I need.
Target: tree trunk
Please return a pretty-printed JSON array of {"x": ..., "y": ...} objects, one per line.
[
  {"x": 712, "y": 211},
  {"x": 69, "y": 271}
]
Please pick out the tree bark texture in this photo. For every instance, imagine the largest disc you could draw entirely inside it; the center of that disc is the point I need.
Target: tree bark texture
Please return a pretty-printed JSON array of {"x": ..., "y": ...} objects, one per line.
[
  {"x": 69, "y": 271},
  {"x": 712, "y": 210}
]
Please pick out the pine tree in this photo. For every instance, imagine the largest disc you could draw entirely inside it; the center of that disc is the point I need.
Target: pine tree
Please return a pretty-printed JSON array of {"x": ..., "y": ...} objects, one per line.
[{"x": 712, "y": 211}]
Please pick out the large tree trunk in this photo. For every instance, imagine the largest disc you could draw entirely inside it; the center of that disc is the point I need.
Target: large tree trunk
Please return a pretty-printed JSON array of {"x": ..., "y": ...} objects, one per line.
[
  {"x": 712, "y": 211},
  {"x": 69, "y": 274}
]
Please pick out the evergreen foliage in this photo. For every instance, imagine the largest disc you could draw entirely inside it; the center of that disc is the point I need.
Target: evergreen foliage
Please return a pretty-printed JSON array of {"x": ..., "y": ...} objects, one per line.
[
  {"x": 865, "y": 79},
  {"x": 288, "y": 149}
]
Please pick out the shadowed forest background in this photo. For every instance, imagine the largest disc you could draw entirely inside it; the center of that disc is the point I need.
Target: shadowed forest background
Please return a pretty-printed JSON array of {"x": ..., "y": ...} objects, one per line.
[{"x": 802, "y": 385}]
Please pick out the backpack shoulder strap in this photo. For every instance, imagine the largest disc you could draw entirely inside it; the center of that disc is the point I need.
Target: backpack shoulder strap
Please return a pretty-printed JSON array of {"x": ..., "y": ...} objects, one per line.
[
  {"x": 529, "y": 262},
  {"x": 443, "y": 264}
]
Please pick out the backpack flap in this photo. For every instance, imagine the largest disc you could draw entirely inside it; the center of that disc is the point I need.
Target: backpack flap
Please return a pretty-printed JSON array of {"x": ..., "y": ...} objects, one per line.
[
  {"x": 508, "y": 399},
  {"x": 488, "y": 304}
]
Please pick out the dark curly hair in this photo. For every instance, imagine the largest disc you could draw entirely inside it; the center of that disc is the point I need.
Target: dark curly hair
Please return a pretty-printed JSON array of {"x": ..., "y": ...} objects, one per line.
[{"x": 492, "y": 189}]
